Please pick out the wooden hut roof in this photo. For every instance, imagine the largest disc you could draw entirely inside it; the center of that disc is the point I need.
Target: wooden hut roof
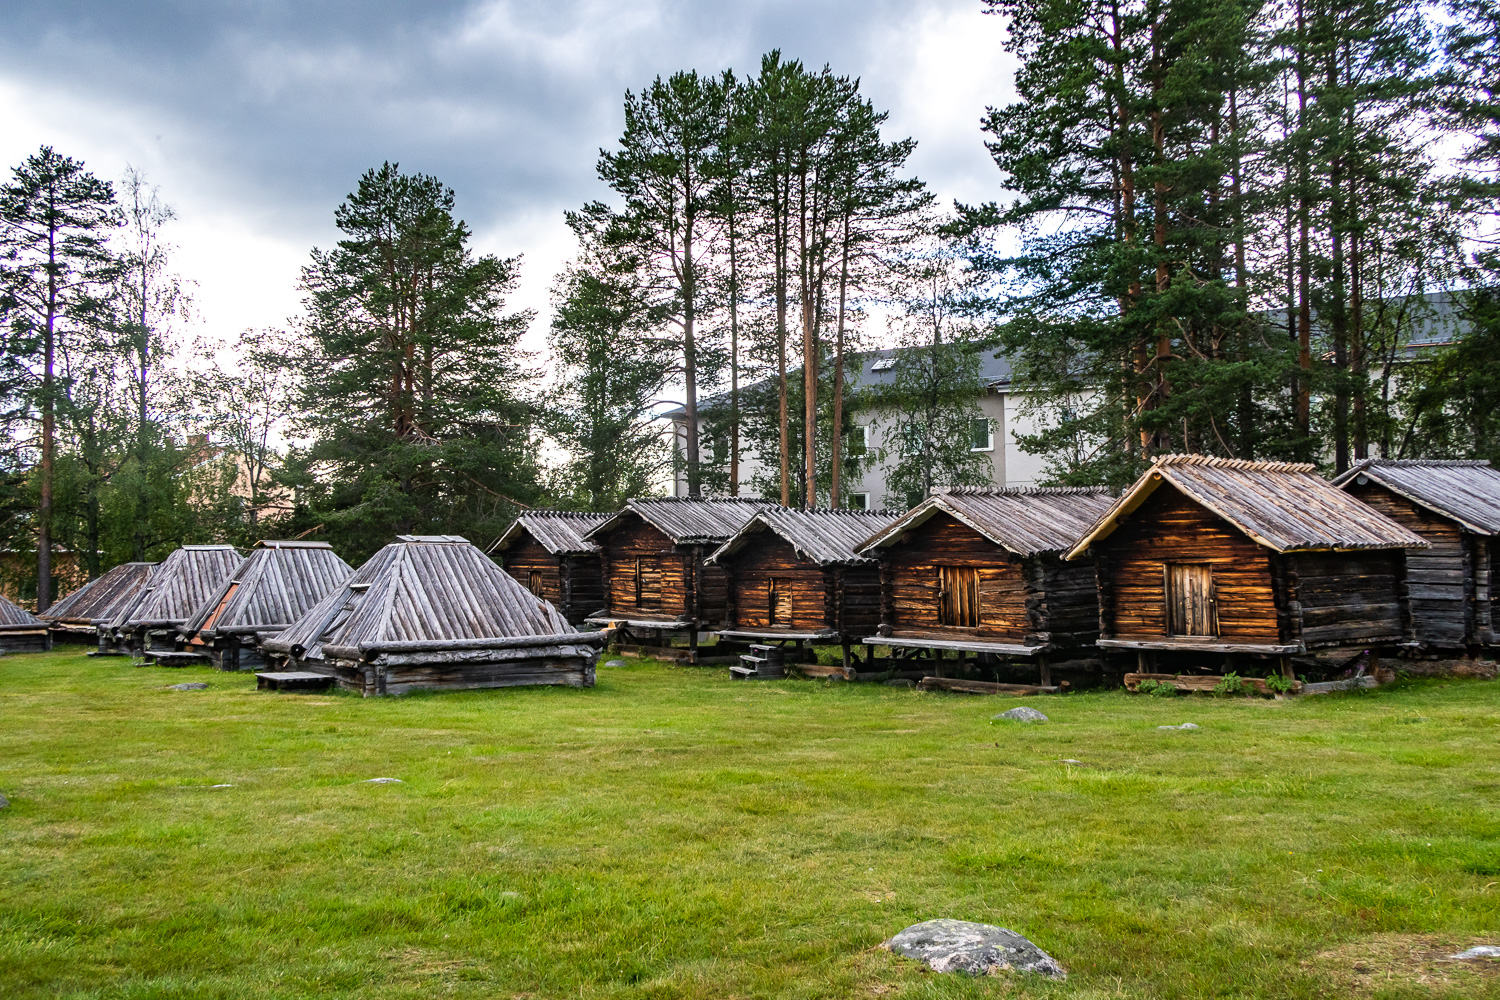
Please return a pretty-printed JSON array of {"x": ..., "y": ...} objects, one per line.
[
  {"x": 560, "y": 532},
  {"x": 1285, "y": 506},
  {"x": 274, "y": 586},
  {"x": 1028, "y": 521},
  {"x": 1463, "y": 491},
  {"x": 180, "y": 583},
  {"x": 825, "y": 537},
  {"x": 431, "y": 593},
  {"x": 13, "y": 616},
  {"x": 101, "y": 599},
  {"x": 686, "y": 520}
]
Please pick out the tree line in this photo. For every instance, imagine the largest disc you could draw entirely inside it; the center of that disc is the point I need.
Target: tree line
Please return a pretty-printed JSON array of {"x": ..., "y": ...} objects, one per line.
[{"x": 1227, "y": 218}]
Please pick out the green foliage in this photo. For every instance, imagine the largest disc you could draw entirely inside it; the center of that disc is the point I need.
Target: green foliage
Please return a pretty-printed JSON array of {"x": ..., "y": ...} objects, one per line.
[
  {"x": 1156, "y": 688},
  {"x": 1232, "y": 684},
  {"x": 1279, "y": 684}
]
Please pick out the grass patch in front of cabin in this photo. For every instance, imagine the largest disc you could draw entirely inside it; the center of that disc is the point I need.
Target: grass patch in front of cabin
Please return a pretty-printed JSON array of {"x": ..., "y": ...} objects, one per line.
[{"x": 671, "y": 833}]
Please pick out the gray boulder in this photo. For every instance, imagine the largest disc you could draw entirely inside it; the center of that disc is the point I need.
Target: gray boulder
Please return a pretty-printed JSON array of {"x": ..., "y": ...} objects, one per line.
[
  {"x": 1185, "y": 725},
  {"x": 1479, "y": 951},
  {"x": 1022, "y": 714},
  {"x": 195, "y": 686},
  {"x": 3, "y": 801},
  {"x": 384, "y": 781},
  {"x": 615, "y": 663},
  {"x": 975, "y": 949}
]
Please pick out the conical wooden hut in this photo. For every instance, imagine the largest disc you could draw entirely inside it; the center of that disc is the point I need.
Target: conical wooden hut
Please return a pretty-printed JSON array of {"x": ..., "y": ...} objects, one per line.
[
  {"x": 433, "y": 611},
  {"x": 1212, "y": 563},
  {"x": 979, "y": 574},
  {"x": 21, "y": 631},
  {"x": 545, "y": 551},
  {"x": 797, "y": 576},
  {"x": 276, "y": 584},
  {"x": 1455, "y": 506},
  {"x": 77, "y": 617},
  {"x": 176, "y": 589},
  {"x": 656, "y": 579}
]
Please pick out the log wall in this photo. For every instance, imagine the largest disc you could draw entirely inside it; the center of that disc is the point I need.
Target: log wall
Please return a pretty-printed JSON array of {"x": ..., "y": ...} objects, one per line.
[
  {"x": 910, "y": 571},
  {"x": 1349, "y": 598},
  {"x": 574, "y": 584},
  {"x": 637, "y": 539},
  {"x": 750, "y": 575}
]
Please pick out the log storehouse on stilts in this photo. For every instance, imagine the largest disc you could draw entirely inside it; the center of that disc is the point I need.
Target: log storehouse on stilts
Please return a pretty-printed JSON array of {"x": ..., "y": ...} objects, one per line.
[
  {"x": 978, "y": 573},
  {"x": 795, "y": 576},
  {"x": 545, "y": 551},
  {"x": 176, "y": 588},
  {"x": 21, "y": 631},
  {"x": 1207, "y": 565},
  {"x": 276, "y": 584},
  {"x": 77, "y": 617},
  {"x": 656, "y": 579},
  {"x": 433, "y": 611},
  {"x": 1455, "y": 506}
]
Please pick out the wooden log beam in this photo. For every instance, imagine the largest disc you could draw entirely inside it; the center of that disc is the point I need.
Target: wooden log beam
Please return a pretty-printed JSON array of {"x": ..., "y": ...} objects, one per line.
[{"x": 982, "y": 687}]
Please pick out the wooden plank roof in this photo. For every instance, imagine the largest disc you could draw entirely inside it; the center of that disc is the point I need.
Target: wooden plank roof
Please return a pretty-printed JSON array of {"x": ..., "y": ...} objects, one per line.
[
  {"x": 13, "y": 616},
  {"x": 560, "y": 532},
  {"x": 1464, "y": 491},
  {"x": 1029, "y": 521},
  {"x": 101, "y": 599},
  {"x": 424, "y": 590},
  {"x": 1285, "y": 506},
  {"x": 274, "y": 586},
  {"x": 180, "y": 583},
  {"x": 686, "y": 520},
  {"x": 825, "y": 537}
]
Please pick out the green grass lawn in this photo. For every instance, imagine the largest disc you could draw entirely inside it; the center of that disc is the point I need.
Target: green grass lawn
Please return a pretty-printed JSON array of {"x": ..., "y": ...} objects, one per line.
[{"x": 672, "y": 834}]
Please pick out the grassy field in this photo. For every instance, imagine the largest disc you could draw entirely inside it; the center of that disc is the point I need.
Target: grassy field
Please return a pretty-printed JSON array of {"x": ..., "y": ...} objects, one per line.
[{"x": 672, "y": 834}]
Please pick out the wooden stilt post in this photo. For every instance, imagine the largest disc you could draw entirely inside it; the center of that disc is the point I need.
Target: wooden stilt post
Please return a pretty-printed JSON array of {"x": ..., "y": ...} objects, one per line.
[
  {"x": 693, "y": 644},
  {"x": 848, "y": 663},
  {"x": 1286, "y": 668},
  {"x": 1045, "y": 670}
]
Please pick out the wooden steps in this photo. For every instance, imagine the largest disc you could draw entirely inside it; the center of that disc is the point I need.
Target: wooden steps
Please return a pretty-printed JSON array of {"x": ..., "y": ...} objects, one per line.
[{"x": 762, "y": 663}]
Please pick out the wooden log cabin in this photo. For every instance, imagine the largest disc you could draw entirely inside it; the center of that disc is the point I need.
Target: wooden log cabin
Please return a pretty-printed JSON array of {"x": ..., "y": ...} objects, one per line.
[
  {"x": 273, "y": 587},
  {"x": 1207, "y": 561},
  {"x": 545, "y": 551},
  {"x": 178, "y": 586},
  {"x": 77, "y": 617},
  {"x": 656, "y": 580},
  {"x": 21, "y": 631},
  {"x": 979, "y": 573},
  {"x": 797, "y": 576},
  {"x": 434, "y": 612},
  {"x": 1455, "y": 506}
]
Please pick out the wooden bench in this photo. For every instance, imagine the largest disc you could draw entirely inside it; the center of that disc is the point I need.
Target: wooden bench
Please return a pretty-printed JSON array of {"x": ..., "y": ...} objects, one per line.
[{"x": 292, "y": 680}]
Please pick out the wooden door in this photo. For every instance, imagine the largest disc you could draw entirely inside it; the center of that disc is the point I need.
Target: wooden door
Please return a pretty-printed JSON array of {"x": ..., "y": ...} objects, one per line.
[
  {"x": 958, "y": 596},
  {"x": 1190, "y": 599},
  {"x": 778, "y": 603},
  {"x": 647, "y": 582},
  {"x": 534, "y": 582}
]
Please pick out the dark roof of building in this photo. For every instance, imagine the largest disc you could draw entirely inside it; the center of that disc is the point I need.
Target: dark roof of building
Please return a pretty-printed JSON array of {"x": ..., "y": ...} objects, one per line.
[
  {"x": 1464, "y": 491},
  {"x": 180, "y": 583},
  {"x": 13, "y": 616},
  {"x": 870, "y": 370},
  {"x": 686, "y": 520},
  {"x": 1028, "y": 521},
  {"x": 101, "y": 599},
  {"x": 560, "y": 532},
  {"x": 423, "y": 590},
  {"x": 1285, "y": 506},
  {"x": 274, "y": 586},
  {"x": 825, "y": 537}
]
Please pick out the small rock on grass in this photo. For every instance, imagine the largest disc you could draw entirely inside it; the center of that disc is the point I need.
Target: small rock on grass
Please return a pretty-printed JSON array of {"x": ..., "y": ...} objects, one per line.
[
  {"x": 976, "y": 949},
  {"x": 1021, "y": 714},
  {"x": 1185, "y": 725},
  {"x": 615, "y": 663},
  {"x": 1479, "y": 951},
  {"x": 384, "y": 781},
  {"x": 3, "y": 800},
  {"x": 196, "y": 686}
]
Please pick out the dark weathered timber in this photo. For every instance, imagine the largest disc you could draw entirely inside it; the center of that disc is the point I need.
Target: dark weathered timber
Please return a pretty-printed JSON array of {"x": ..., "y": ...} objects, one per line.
[
  {"x": 983, "y": 687},
  {"x": 175, "y": 589},
  {"x": 796, "y": 574},
  {"x": 76, "y": 617},
  {"x": 1218, "y": 556},
  {"x": 1455, "y": 506},
  {"x": 546, "y": 552}
]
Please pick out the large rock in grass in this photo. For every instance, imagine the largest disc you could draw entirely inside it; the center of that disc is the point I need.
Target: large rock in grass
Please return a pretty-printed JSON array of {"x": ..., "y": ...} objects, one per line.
[
  {"x": 975, "y": 949},
  {"x": 1023, "y": 714}
]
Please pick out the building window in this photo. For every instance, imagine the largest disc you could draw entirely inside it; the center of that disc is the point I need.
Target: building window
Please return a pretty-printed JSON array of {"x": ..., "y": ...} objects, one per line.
[
  {"x": 859, "y": 439},
  {"x": 958, "y": 596},
  {"x": 981, "y": 437},
  {"x": 859, "y": 501}
]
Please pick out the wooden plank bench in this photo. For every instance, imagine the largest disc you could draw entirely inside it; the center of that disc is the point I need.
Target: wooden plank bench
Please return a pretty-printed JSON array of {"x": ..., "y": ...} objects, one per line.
[{"x": 292, "y": 680}]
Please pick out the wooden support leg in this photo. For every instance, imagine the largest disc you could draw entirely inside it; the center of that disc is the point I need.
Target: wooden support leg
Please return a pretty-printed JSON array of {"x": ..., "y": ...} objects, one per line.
[
  {"x": 848, "y": 661},
  {"x": 693, "y": 645},
  {"x": 937, "y": 657},
  {"x": 1046, "y": 671},
  {"x": 1286, "y": 668}
]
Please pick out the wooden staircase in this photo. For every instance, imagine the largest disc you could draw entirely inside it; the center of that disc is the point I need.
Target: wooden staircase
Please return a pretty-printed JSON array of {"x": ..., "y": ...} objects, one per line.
[{"x": 762, "y": 663}]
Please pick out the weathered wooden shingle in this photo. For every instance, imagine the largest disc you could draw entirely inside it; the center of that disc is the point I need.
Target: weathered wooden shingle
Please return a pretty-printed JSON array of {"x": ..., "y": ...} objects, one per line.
[
  {"x": 180, "y": 583},
  {"x": 101, "y": 599},
  {"x": 822, "y": 537},
  {"x": 1465, "y": 491},
  {"x": 1284, "y": 506},
  {"x": 274, "y": 586},
  {"x": 1025, "y": 520},
  {"x": 13, "y": 616},
  {"x": 560, "y": 532},
  {"x": 426, "y": 589},
  {"x": 687, "y": 521}
]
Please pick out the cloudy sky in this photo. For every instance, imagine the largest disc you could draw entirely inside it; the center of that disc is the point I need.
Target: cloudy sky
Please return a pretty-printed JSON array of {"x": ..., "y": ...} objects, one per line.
[{"x": 256, "y": 117}]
